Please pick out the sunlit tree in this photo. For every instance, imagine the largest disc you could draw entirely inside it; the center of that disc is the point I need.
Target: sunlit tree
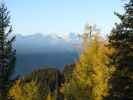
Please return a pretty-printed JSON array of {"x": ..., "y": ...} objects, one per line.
[
  {"x": 91, "y": 74},
  {"x": 24, "y": 91}
]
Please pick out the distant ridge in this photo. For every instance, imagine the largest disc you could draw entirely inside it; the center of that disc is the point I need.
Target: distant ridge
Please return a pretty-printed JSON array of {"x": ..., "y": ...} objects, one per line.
[{"x": 39, "y": 51}]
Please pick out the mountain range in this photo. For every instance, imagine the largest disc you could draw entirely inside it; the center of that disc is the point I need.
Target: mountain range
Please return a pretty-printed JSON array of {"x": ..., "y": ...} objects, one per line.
[{"x": 40, "y": 51}]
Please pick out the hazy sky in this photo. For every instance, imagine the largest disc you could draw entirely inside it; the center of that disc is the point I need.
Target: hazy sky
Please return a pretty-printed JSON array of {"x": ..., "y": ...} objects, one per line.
[{"x": 62, "y": 16}]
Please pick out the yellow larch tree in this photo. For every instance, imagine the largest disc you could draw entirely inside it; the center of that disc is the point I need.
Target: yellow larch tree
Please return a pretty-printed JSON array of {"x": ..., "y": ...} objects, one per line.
[{"x": 91, "y": 74}]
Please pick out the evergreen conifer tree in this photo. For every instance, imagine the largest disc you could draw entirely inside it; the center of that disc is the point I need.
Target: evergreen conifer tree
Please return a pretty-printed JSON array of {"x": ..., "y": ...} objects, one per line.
[
  {"x": 121, "y": 39},
  {"x": 7, "y": 52}
]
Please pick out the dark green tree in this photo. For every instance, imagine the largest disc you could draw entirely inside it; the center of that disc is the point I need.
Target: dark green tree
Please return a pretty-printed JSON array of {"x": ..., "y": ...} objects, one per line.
[
  {"x": 121, "y": 40},
  {"x": 7, "y": 51}
]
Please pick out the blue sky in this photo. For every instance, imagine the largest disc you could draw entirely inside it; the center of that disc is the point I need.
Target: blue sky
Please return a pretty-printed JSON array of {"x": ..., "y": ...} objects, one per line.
[{"x": 62, "y": 16}]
